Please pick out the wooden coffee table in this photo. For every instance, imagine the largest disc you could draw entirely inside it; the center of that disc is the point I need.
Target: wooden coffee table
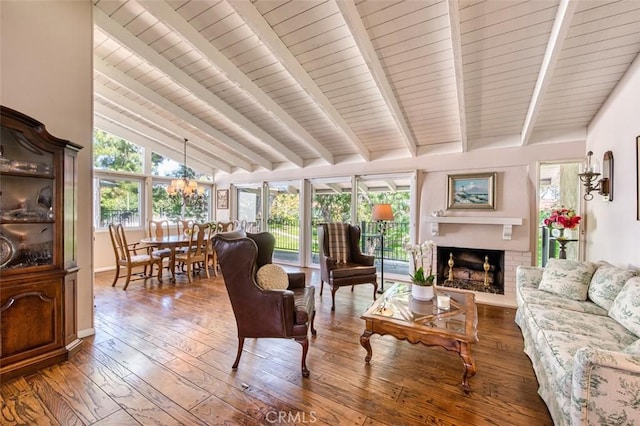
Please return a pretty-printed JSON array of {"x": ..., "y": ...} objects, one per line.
[{"x": 400, "y": 315}]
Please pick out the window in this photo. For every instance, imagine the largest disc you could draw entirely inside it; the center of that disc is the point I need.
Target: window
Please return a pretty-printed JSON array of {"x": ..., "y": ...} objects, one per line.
[
  {"x": 119, "y": 201},
  {"x": 284, "y": 220},
  {"x": 118, "y": 196},
  {"x": 113, "y": 153}
]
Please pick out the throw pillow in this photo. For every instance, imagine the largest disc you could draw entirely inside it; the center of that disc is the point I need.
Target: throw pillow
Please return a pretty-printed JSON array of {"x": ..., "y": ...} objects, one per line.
[
  {"x": 567, "y": 278},
  {"x": 272, "y": 277},
  {"x": 626, "y": 306},
  {"x": 606, "y": 283}
]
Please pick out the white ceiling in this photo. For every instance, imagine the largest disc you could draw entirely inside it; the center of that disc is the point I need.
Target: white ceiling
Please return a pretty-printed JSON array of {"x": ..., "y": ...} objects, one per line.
[{"x": 270, "y": 84}]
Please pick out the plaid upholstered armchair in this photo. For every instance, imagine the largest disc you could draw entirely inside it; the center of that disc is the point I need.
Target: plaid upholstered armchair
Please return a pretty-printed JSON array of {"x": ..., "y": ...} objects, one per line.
[{"x": 342, "y": 263}]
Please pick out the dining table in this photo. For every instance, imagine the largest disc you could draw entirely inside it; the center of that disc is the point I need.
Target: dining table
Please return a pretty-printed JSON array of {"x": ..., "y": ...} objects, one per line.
[{"x": 172, "y": 242}]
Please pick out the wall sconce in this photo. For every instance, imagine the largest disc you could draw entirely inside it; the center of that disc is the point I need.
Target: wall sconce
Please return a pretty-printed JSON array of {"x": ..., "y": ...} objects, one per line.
[{"x": 591, "y": 173}]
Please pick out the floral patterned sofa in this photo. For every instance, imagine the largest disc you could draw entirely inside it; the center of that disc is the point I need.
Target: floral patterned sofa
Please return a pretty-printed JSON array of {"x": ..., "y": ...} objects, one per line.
[{"x": 581, "y": 328}]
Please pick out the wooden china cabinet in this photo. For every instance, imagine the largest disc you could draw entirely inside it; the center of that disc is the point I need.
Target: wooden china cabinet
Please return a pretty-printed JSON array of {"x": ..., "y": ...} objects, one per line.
[{"x": 38, "y": 266}]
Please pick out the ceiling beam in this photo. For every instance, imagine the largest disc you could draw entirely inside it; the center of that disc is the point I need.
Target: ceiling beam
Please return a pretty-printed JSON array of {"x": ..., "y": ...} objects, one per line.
[
  {"x": 165, "y": 13},
  {"x": 561, "y": 26},
  {"x": 159, "y": 121},
  {"x": 143, "y": 91},
  {"x": 132, "y": 43},
  {"x": 456, "y": 47},
  {"x": 165, "y": 149},
  {"x": 363, "y": 42},
  {"x": 254, "y": 20}
]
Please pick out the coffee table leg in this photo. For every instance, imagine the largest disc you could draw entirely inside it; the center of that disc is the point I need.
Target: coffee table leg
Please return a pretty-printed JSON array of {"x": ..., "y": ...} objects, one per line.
[
  {"x": 364, "y": 341},
  {"x": 469, "y": 366}
]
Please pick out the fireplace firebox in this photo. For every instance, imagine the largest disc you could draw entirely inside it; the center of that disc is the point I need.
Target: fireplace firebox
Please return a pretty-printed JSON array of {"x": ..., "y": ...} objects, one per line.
[{"x": 471, "y": 269}]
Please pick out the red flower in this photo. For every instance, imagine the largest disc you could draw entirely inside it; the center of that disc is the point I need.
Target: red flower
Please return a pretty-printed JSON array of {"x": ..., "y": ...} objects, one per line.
[{"x": 562, "y": 218}]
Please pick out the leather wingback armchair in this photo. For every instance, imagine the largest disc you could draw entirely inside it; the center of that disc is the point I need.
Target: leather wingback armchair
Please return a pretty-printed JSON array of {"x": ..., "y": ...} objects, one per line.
[
  {"x": 263, "y": 313},
  {"x": 353, "y": 268}
]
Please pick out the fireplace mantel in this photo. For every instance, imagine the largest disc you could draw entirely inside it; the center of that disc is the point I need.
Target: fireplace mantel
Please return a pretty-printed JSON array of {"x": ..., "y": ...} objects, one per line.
[{"x": 506, "y": 222}]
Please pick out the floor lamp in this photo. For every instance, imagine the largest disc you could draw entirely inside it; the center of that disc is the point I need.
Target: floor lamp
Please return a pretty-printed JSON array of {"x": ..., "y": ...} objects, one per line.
[{"x": 382, "y": 213}]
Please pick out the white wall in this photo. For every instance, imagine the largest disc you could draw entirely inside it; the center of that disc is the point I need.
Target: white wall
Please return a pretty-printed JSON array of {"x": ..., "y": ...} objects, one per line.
[
  {"x": 612, "y": 229},
  {"x": 46, "y": 72}
]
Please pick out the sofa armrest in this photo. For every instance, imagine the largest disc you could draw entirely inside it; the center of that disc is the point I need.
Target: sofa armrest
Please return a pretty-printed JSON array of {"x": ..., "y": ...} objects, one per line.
[
  {"x": 528, "y": 276},
  {"x": 605, "y": 387}
]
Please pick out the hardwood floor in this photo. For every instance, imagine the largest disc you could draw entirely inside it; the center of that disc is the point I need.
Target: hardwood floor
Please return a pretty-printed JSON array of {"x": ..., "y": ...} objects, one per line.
[{"x": 162, "y": 355}]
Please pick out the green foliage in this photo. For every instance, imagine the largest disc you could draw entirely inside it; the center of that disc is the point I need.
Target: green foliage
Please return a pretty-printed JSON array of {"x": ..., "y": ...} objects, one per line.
[{"x": 113, "y": 153}]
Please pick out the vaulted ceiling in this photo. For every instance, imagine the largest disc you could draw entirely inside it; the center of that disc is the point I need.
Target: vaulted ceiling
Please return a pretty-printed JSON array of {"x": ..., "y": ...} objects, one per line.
[{"x": 272, "y": 84}]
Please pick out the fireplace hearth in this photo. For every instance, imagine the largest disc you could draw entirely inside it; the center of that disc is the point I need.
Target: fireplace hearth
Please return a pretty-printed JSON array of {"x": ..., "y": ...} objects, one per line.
[{"x": 471, "y": 269}]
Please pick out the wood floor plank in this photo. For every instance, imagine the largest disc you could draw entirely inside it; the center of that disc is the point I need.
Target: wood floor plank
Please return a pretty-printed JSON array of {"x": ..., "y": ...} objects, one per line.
[
  {"x": 86, "y": 399},
  {"x": 20, "y": 406},
  {"x": 135, "y": 405},
  {"x": 162, "y": 355},
  {"x": 180, "y": 390}
]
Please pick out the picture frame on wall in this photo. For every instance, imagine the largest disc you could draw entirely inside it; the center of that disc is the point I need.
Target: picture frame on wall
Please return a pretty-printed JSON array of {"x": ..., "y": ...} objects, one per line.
[
  {"x": 472, "y": 191},
  {"x": 222, "y": 199}
]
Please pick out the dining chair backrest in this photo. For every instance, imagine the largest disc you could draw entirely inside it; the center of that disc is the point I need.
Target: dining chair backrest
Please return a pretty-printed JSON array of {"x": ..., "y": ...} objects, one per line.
[
  {"x": 226, "y": 226},
  {"x": 184, "y": 225},
  {"x": 119, "y": 242},
  {"x": 159, "y": 228},
  {"x": 200, "y": 238}
]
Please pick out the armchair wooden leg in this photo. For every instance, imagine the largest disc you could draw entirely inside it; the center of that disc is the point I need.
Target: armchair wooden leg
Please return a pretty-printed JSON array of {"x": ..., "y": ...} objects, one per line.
[
  {"x": 305, "y": 348},
  {"x": 313, "y": 319},
  {"x": 333, "y": 298},
  {"x": 352, "y": 287},
  {"x": 321, "y": 286},
  {"x": 240, "y": 345},
  {"x": 375, "y": 290}
]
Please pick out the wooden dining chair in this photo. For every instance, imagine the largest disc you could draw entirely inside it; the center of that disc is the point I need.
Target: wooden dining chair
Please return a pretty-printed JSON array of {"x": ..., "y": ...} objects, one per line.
[
  {"x": 159, "y": 229},
  {"x": 197, "y": 250},
  {"x": 128, "y": 256}
]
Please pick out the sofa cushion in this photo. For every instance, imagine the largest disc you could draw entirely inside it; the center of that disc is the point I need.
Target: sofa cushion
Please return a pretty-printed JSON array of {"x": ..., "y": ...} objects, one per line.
[
  {"x": 272, "y": 277},
  {"x": 626, "y": 306},
  {"x": 633, "y": 349},
  {"x": 596, "y": 327},
  {"x": 568, "y": 278},
  {"x": 527, "y": 295},
  {"x": 606, "y": 283}
]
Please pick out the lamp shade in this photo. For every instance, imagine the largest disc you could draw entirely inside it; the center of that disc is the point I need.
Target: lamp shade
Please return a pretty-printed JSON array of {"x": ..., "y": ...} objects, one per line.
[{"x": 382, "y": 212}]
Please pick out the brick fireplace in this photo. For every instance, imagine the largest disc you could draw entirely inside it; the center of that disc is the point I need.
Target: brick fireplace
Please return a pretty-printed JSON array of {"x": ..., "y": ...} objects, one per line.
[{"x": 480, "y": 236}]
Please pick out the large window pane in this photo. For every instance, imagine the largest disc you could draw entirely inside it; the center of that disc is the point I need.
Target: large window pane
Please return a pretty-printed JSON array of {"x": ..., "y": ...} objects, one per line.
[
  {"x": 119, "y": 202},
  {"x": 113, "y": 153},
  {"x": 249, "y": 205},
  {"x": 173, "y": 208},
  {"x": 392, "y": 190},
  {"x": 284, "y": 220},
  {"x": 331, "y": 202}
]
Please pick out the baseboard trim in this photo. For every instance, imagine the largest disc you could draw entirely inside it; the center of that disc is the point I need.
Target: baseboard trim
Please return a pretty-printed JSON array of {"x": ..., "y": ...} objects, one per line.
[{"x": 86, "y": 332}]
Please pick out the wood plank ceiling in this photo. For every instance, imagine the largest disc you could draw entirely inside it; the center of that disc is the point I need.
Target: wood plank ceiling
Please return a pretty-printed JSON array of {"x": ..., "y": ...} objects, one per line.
[{"x": 272, "y": 84}]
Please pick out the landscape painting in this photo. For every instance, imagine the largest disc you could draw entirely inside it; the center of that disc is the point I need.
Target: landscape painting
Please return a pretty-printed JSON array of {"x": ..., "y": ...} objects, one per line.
[{"x": 472, "y": 191}]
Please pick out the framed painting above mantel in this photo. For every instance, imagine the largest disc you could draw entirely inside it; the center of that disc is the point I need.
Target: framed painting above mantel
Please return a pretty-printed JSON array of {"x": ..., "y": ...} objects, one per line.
[{"x": 472, "y": 191}]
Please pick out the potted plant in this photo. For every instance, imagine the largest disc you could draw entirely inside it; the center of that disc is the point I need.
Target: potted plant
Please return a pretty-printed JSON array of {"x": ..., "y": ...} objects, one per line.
[{"x": 422, "y": 282}]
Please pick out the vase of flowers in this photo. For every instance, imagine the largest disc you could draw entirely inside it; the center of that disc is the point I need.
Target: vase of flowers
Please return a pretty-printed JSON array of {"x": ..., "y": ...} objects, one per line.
[
  {"x": 559, "y": 219},
  {"x": 422, "y": 279}
]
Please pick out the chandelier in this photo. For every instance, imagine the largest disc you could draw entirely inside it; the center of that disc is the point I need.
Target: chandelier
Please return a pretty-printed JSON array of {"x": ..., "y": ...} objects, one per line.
[{"x": 184, "y": 189}]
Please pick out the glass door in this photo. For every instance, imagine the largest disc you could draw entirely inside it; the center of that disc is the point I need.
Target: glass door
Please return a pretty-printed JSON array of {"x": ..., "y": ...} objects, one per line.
[
  {"x": 283, "y": 220},
  {"x": 330, "y": 202},
  {"x": 558, "y": 206},
  {"x": 385, "y": 189}
]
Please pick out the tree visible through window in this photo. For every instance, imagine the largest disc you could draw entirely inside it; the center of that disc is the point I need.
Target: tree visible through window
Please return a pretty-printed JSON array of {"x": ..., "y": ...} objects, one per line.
[{"x": 119, "y": 196}]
